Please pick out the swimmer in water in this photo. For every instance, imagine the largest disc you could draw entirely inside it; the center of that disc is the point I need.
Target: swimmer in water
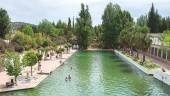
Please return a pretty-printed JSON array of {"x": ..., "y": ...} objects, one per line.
[
  {"x": 69, "y": 77},
  {"x": 66, "y": 79}
]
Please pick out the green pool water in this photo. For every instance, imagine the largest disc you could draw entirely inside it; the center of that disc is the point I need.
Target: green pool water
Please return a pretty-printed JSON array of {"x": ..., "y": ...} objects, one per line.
[{"x": 96, "y": 73}]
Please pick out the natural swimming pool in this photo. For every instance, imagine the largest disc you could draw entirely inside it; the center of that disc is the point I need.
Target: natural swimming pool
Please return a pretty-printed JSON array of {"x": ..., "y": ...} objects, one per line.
[{"x": 96, "y": 73}]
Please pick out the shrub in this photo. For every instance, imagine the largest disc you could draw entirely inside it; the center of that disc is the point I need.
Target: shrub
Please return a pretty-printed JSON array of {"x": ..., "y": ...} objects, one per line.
[
  {"x": 24, "y": 40},
  {"x": 27, "y": 29}
]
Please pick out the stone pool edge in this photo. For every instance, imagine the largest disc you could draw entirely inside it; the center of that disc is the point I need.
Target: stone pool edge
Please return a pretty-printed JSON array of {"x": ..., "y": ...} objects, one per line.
[{"x": 157, "y": 73}]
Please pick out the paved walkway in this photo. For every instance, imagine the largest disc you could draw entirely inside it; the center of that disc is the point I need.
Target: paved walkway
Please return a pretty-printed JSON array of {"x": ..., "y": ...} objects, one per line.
[
  {"x": 47, "y": 66},
  {"x": 164, "y": 65}
]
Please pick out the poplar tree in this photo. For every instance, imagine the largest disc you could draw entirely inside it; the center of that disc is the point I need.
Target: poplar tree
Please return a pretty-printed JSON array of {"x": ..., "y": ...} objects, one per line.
[
  {"x": 83, "y": 27},
  {"x": 4, "y": 23}
]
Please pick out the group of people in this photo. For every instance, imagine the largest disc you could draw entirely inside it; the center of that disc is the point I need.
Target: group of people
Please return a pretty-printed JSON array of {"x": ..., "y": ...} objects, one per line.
[{"x": 68, "y": 77}]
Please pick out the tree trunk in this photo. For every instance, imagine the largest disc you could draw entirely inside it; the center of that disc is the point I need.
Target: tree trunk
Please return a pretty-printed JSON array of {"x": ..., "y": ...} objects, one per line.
[
  {"x": 15, "y": 80},
  {"x": 131, "y": 51},
  {"x": 143, "y": 57},
  {"x": 31, "y": 70},
  {"x": 137, "y": 55},
  {"x": 38, "y": 65}
]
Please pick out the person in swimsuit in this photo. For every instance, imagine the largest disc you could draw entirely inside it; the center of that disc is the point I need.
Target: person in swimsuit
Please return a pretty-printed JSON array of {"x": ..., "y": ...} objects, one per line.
[
  {"x": 69, "y": 77},
  {"x": 66, "y": 79}
]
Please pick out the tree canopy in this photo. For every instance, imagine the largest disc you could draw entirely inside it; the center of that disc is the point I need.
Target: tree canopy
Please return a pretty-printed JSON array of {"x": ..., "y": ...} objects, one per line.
[
  {"x": 28, "y": 30},
  {"x": 153, "y": 20},
  {"x": 83, "y": 27},
  {"x": 4, "y": 23},
  {"x": 12, "y": 64},
  {"x": 30, "y": 59},
  {"x": 113, "y": 21},
  {"x": 142, "y": 20},
  {"x": 46, "y": 27}
]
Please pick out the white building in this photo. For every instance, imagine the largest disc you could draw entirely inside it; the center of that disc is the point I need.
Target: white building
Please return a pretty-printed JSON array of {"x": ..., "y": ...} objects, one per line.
[{"x": 159, "y": 50}]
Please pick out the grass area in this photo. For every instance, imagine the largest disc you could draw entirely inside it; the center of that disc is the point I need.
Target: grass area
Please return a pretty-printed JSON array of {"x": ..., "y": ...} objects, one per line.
[{"x": 148, "y": 64}]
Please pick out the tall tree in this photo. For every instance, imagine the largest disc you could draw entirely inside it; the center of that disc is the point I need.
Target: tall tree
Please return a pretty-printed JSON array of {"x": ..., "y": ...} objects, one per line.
[
  {"x": 4, "y": 23},
  {"x": 69, "y": 30},
  {"x": 113, "y": 21},
  {"x": 69, "y": 24},
  {"x": 83, "y": 27},
  {"x": 62, "y": 26},
  {"x": 73, "y": 24},
  {"x": 142, "y": 21},
  {"x": 47, "y": 28},
  {"x": 153, "y": 20}
]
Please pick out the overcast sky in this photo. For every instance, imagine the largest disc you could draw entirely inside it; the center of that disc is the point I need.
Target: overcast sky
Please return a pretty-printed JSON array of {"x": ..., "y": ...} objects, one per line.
[{"x": 33, "y": 11}]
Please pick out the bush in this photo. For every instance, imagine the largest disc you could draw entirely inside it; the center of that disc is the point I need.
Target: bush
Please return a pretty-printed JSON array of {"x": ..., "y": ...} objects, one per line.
[
  {"x": 24, "y": 40},
  {"x": 39, "y": 39},
  {"x": 27, "y": 29}
]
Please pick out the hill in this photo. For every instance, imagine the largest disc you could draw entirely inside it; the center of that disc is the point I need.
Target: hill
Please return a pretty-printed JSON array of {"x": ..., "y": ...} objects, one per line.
[{"x": 18, "y": 25}]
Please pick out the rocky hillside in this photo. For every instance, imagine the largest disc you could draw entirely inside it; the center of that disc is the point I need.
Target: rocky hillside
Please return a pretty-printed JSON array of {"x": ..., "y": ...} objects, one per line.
[{"x": 18, "y": 25}]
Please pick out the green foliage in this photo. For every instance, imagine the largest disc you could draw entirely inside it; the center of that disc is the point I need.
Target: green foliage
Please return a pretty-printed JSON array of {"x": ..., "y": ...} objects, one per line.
[
  {"x": 69, "y": 28},
  {"x": 47, "y": 42},
  {"x": 60, "y": 50},
  {"x": 39, "y": 56},
  {"x": 69, "y": 45},
  {"x": 124, "y": 39},
  {"x": 166, "y": 37},
  {"x": 153, "y": 20},
  {"x": 83, "y": 27},
  {"x": 24, "y": 40},
  {"x": 113, "y": 21},
  {"x": 61, "y": 25},
  {"x": 142, "y": 29},
  {"x": 66, "y": 46},
  {"x": 12, "y": 64},
  {"x": 30, "y": 59},
  {"x": 142, "y": 21},
  {"x": 27, "y": 29},
  {"x": 69, "y": 33},
  {"x": 4, "y": 23},
  {"x": 46, "y": 27},
  {"x": 41, "y": 40},
  {"x": 139, "y": 39}
]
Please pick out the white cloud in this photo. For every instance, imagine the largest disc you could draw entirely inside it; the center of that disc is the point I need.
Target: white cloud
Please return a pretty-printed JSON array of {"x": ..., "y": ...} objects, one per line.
[{"x": 33, "y": 11}]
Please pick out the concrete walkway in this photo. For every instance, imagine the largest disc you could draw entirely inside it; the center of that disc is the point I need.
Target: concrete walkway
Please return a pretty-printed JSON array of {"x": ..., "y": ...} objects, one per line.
[
  {"x": 162, "y": 64},
  {"x": 159, "y": 74},
  {"x": 47, "y": 66}
]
